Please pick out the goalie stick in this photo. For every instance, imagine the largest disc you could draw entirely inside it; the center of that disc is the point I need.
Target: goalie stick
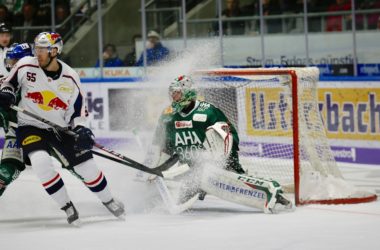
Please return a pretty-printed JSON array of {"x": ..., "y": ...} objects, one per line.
[
  {"x": 163, "y": 170},
  {"x": 164, "y": 191},
  {"x": 168, "y": 198}
]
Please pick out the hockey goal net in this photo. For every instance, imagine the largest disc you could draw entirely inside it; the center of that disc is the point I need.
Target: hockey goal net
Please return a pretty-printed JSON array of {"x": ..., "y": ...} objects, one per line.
[{"x": 282, "y": 135}]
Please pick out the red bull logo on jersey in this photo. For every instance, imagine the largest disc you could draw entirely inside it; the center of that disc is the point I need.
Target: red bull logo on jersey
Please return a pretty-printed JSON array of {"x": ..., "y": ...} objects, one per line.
[{"x": 47, "y": 100}]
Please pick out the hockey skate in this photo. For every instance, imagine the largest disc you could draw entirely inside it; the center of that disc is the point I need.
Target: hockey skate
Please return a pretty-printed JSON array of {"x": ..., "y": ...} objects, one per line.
[
  {"x": 283, "y": 203},
  {"x": 72, "y": 214},
  {"x": 202, "y": 195},
  {"x": 116, "y": 208},
  {"x": 277, "y": 203},
  {"x": 281, "y": 199}
]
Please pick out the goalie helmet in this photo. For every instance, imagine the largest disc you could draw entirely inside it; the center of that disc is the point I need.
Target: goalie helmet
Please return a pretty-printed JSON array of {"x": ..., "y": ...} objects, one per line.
[
  {"x": 49, "y": 40},
  {"x": 184, "y": 85}
]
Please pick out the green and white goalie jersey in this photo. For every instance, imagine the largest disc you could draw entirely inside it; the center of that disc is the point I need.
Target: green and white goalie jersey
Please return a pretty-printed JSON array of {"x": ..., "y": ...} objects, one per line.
[{"x": 184, "y": 134}]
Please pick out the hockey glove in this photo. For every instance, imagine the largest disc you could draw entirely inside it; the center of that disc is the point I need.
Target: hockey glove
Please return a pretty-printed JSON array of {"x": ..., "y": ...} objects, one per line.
[
  {"x": 85, "y": 139},
  {"x": 7, "y": 97}
]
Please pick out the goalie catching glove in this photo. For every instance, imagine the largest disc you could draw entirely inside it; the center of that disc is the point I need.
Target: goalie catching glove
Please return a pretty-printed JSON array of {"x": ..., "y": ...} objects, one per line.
[{"x": 219, "y": 140}]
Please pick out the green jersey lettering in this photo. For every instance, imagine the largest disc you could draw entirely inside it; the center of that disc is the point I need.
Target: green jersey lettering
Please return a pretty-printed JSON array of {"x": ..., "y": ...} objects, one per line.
[
  {"x": 185, "y": 133},
  {"x": 185, "y": 138}
]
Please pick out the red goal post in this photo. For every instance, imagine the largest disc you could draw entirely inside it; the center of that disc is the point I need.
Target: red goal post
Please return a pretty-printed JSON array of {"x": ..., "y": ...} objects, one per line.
[{"x": 308, "y": 168}]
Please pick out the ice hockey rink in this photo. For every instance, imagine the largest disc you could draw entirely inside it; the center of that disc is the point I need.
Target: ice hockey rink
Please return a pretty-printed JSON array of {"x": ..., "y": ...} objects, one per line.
[
  {"x": 129, "y": 100},
  {"x": 29, "y": 219}
]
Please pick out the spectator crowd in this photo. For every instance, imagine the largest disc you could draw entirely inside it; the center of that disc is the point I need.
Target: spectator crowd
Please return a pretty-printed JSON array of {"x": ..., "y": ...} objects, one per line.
[
  {"x": 233, "y": 8},
  {"x": 29, "y": 13},
  {"x": 156, "y": 52}
]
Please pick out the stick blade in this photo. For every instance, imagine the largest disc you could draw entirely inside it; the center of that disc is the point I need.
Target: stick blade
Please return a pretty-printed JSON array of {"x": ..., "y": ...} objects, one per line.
[{"x": 168, "y": 163}]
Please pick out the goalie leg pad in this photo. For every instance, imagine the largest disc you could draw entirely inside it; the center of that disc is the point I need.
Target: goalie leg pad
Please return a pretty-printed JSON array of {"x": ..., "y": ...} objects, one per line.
[
  {"x": 11, "y": 161},
  {"x": 12, "y": 153},
  {"x": 242, "y": 189},
  {"x": 8, "y": 173}
]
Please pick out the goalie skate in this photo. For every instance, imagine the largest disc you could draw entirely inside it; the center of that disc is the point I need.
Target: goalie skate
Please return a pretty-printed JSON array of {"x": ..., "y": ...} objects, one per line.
[
  {"x": 281, "y": 199},
  {"x": 281, "y": 203},
  {"x": 116, "y": 208},
  {"x": 72, "y": 214}
]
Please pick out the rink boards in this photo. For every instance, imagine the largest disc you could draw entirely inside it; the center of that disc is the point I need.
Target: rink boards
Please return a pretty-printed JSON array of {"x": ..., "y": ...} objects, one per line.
[{"x": 127, "y": 112}]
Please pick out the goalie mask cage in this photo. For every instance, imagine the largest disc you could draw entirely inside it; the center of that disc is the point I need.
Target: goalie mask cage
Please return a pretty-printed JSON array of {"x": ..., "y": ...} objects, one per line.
[{"x": 282, "y": 135}]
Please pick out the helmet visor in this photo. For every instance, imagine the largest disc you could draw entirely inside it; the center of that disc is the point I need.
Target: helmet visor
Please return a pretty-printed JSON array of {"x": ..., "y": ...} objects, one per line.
[
  {"x": 9, "y": 63},
  {"x": 40, "y": 50}
]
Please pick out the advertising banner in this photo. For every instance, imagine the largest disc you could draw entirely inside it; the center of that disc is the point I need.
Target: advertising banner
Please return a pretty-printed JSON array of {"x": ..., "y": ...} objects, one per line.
[
  {"x": 350, "y": 113},
  {"x": 97, "y": 106},
  {"x": 110, "y": 72}
]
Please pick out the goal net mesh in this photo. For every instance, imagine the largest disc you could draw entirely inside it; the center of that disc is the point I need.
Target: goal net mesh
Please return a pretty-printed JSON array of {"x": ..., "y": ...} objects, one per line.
[{"x": 259, "y": 102}]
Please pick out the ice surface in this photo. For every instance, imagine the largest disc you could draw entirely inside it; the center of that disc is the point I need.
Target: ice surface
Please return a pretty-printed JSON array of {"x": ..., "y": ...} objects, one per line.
[{"x": 29, "y": 219}]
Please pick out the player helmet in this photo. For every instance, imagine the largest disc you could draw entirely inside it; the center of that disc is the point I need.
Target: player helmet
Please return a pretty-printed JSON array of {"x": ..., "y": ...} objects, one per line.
[
  {"x": 5, "y": 28},
  {"x": 15, "y": 53},
  {"x": 184, "y": 85},
  {"x": 49, "y": 40},
  {"x": 18, "y": 51}
]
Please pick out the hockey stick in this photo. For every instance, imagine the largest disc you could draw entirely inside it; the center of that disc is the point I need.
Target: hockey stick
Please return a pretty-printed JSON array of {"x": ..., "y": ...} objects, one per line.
[
  {"x": 168, "y": 198},
  {"x": 162, "y": 170}
]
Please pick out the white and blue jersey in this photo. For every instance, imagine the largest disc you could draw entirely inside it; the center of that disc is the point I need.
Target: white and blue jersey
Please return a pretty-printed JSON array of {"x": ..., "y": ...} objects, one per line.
[{"x": 58, "y": 99}]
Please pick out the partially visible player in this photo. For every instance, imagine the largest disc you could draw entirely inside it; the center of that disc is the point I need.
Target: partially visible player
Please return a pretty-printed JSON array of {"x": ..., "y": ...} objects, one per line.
[
  {"x": 5, "y": 40},
  {"x": 203, "y": 137},
  {"x": 12, "y": 163},
  {"x": 15, "y": 52},
  {"x": 51, "y": 89}
]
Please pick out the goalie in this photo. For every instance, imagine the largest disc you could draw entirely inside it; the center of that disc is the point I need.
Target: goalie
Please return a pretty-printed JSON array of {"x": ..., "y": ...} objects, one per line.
[{"x": 204, "y": 139}]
